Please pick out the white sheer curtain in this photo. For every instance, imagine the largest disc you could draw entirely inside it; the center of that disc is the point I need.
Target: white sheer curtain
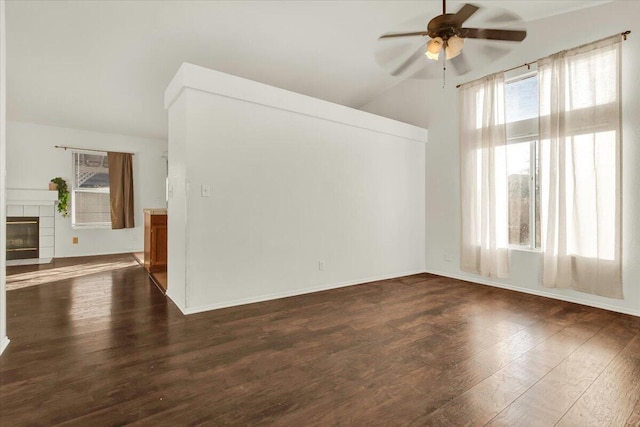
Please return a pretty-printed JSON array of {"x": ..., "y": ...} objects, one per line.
[
  {"x": 580, "y": 168},
  {"x": 483, "y": 178}
]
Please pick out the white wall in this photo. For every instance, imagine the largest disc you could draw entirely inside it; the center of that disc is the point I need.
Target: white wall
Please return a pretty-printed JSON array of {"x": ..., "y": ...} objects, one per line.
[
  {"x": 425, "y": 103},
  {"x": 32, "y": 161},
  {"x": 294, "y": 181},
  {"x": 4, "y": 340},
  {"x": 177, "y": 219}
]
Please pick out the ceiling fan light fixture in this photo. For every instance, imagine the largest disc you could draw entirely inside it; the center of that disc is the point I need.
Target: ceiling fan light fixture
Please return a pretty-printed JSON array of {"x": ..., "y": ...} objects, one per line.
[
  {"x": 434, "y": 47},
  {"x": 454, "y": 46}
]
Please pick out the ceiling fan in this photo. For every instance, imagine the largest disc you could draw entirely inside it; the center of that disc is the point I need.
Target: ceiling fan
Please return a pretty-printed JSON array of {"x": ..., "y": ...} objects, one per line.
[{"x": 447, "y": 36}]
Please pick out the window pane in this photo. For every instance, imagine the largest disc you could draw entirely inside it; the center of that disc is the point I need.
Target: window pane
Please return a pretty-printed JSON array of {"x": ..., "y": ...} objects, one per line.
[
  {"x": 91, "y": 170},
  {"x": 521, "y": 99},
  {"x": 92, "y": 208},
  {"x": 519, "y": 178}
]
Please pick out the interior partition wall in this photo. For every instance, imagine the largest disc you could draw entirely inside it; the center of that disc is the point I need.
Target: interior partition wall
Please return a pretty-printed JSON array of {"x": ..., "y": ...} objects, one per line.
[{"x": 273, "y": 193}]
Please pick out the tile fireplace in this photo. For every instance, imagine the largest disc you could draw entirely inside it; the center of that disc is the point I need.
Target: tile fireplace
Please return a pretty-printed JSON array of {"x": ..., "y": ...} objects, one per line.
[{"x": 30, "y": 225}]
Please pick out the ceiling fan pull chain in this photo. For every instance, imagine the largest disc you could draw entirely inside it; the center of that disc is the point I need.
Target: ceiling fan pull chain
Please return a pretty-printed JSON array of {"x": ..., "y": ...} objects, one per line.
[{"x": 444, "y": 66}]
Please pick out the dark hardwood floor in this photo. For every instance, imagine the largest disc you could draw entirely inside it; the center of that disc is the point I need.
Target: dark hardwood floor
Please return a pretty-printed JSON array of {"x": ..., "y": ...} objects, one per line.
[{"x": 107, "y": 348}]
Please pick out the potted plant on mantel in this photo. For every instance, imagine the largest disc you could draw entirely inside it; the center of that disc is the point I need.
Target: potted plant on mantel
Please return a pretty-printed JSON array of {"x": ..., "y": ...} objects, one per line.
[{"x": 63, "y": 195}]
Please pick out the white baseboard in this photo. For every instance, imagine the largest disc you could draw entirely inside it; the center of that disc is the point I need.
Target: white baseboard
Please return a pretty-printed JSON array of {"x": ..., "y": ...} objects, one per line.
[
  {"x": 478, "y": 280},
  {"x": 285, "y": 294},
  {"x": 4, "y": 343},
  {"x": 180, "y": 307},
  {"x": 482, "y": 281}
]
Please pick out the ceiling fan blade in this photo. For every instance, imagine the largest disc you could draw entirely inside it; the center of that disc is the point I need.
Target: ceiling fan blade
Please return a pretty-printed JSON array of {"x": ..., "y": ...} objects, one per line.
[
  {"x": 494, "y": 52},
  {"x": 416, "y": 33},
  {"x": 386, "y": 55},
  {"x": 460, "y": 64},
  {"x": 502, "y": 18},
  {"x": 410, "y": 60},
  {"x": 490, "y": 34},
  {"x": 429, "y": 71},
  {"x": 463, "y": 14}
]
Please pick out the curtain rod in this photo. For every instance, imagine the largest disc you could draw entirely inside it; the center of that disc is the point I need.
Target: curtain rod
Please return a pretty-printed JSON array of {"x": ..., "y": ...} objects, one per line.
[
  {"x": 65, "y": 147},
  {"x": 529, "y": 64}
]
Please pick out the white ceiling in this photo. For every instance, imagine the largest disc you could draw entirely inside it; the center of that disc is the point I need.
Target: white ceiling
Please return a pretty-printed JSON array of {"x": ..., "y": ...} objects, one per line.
[{"x": 104, "y": 65}]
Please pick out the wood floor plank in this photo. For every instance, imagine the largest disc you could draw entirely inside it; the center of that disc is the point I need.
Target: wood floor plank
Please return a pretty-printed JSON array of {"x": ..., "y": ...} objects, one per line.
[
  {"x": 483, "y": 402},
  {"x": 511, "y": 348},
  {"x": 613, "y": 396},
  {"x": 546, "y": 402},
  {"x": 107, "y": 348},
  {"x": 634, "y": 418}
]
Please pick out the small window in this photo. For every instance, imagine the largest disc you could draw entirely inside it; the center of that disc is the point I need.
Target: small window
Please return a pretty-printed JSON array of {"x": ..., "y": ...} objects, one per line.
[{"x": 91, "y": 205}]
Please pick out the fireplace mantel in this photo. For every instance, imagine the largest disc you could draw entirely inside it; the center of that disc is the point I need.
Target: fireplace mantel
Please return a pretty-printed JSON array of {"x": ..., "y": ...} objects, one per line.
[{"x": 28, "y": 196}]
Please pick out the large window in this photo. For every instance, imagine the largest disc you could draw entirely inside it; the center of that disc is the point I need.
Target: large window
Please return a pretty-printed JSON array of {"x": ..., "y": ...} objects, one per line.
[
  {"x": 540, "y": 168},
  {"x": 521, "y": 111},
  {"x": 90, "y": 197}
]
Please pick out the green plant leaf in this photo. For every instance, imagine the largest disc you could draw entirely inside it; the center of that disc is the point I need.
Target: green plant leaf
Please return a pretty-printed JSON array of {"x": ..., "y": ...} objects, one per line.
[{"x": 63, "y": 196}]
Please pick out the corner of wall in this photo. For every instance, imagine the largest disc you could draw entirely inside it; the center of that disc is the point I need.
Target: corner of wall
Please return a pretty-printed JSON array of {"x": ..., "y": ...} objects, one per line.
[
  {"x": 4, "y": 340},
  {"x": 4, "y": 343}
]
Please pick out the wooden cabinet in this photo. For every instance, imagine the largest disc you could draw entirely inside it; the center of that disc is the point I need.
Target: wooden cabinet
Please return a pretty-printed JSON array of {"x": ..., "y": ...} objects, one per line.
[{"x": 155, "y": 240}]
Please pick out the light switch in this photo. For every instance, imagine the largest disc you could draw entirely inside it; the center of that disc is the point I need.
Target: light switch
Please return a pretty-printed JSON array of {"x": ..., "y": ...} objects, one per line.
[{"x": 205, "y": 190}]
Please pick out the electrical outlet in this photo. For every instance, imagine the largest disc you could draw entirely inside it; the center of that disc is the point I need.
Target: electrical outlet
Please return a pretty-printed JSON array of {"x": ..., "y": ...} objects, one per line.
[
  {"x": 205, "y": 190},
  {"x": 448, "y": 257},
  {"x": 74, "y": 240},
  {"x": 321, "y": 265}
]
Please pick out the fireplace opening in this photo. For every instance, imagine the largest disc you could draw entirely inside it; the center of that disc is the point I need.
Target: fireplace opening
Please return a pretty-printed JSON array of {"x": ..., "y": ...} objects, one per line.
[{"x": 23, "y": 235}]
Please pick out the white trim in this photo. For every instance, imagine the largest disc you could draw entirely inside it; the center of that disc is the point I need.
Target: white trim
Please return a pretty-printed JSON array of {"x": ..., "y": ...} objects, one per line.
[
  {"x": 175, "y": 301},
  {"x": 3, "y": 172},
  {"x": 4, "y": 344},
  {"x": 482, "y": 281},
  {"x": 286, "y": 294},
  {"x": 91, "y": 226},
  {"x": 29, "y": 196},
  {"x": 191, "y": 76}
]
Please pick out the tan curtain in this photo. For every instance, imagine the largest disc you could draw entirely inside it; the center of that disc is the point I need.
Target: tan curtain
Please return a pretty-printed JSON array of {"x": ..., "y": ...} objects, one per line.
[
  {"x": 483, "y": 178},
  {"x": 121, "y": 190},
  {"x": 580, "y": 169}
]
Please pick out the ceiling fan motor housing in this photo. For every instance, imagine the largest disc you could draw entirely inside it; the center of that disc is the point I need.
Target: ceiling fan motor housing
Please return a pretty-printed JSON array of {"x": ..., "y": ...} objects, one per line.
[{"x": 443, "y": 26}]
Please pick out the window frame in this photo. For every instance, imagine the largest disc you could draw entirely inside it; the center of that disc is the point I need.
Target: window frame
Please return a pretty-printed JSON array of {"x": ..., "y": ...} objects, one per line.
[
  {"x": 75, "y": 190},
  {"x": 527, "y": 131}
]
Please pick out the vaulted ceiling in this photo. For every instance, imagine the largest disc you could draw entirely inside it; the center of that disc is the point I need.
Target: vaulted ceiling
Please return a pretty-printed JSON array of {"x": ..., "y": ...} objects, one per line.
[{"x": 104, "y": 65}]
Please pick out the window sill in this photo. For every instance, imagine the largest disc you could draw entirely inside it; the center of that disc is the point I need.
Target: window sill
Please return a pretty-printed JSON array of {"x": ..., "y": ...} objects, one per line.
[
  {"x": 92, "y": 227},
  {"x": 523, "y": 249}
]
